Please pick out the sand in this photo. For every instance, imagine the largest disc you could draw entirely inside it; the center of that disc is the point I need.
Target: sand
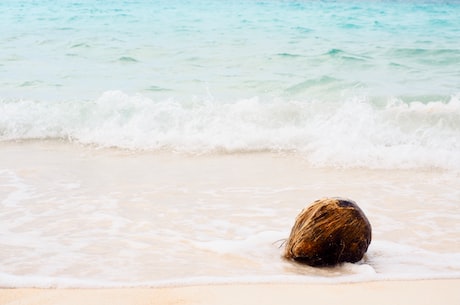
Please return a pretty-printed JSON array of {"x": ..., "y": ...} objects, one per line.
[
  {"x": 430, "y": 292},
  {"x": 241, "y": 178}
]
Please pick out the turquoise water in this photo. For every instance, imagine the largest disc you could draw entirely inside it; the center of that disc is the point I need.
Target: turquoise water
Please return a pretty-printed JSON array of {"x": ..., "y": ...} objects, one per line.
[
  {"x": 301, "y": 49},
  {"x": 370, "y": 78}
]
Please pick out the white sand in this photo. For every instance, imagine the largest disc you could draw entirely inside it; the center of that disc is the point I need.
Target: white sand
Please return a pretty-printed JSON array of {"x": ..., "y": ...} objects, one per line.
[{"x": 428, "y": 292}]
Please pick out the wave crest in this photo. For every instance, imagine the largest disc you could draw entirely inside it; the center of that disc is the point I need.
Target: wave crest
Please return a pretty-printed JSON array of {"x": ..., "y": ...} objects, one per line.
[{"x": 355, "y": 132}]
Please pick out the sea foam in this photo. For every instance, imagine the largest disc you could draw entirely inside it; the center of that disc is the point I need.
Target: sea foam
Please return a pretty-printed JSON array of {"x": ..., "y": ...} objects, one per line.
[{"x": 355, "y": 132}]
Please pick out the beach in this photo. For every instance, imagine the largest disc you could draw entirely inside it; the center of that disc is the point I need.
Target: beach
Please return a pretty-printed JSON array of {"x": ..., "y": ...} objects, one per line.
[
  {"x": 81, "y": 216},
  {"x": 160, "y": 151},
  {"x": 393, "y": 292}
]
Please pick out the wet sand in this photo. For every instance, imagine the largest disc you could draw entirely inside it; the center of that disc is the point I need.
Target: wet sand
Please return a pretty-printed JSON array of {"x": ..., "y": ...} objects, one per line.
[{"x": 421, "y": 292}]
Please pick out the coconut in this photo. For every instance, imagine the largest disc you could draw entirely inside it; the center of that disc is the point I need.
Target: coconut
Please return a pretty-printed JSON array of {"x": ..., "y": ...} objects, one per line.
[{"x": 328, "y": 232}]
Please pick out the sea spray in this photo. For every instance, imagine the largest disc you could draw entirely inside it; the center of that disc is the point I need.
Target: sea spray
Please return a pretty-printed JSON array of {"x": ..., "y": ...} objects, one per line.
[{"x": 355, "y": 132}]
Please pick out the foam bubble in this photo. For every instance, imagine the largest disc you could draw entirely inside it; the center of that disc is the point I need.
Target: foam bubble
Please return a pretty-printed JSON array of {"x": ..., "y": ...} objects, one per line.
[
  {"x": 19, "y": 189},
  {"x": 355, "y": 132},
  {"x": 396, "y": 260}
]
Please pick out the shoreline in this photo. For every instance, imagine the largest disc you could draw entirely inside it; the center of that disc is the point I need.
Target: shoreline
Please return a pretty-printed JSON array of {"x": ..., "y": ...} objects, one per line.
[
  {"x": 73, "y": 212},
  {"x": 442, "y": 291}
]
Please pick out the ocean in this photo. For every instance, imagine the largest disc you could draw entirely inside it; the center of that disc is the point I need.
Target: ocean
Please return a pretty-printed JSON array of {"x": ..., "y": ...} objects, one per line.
[{"x": 149, "y": 143}]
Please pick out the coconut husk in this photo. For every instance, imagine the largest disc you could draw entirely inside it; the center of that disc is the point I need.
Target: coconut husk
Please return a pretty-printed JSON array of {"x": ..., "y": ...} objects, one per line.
[{"x": 329, "y": 232}]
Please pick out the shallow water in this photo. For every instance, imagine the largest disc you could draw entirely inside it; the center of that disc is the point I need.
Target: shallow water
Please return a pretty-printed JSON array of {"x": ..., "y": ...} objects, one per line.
[
  {"x": 230, "y": 49},
  {"x": 80, "y": 216}
]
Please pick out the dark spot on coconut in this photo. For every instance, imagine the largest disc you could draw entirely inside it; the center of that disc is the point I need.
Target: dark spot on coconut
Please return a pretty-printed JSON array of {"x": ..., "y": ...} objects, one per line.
[{"x": 345, "y": 203}]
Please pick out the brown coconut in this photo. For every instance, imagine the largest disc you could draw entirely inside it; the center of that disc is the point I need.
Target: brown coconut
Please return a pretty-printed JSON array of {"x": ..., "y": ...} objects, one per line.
[{"x": 329, "y": 232}]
